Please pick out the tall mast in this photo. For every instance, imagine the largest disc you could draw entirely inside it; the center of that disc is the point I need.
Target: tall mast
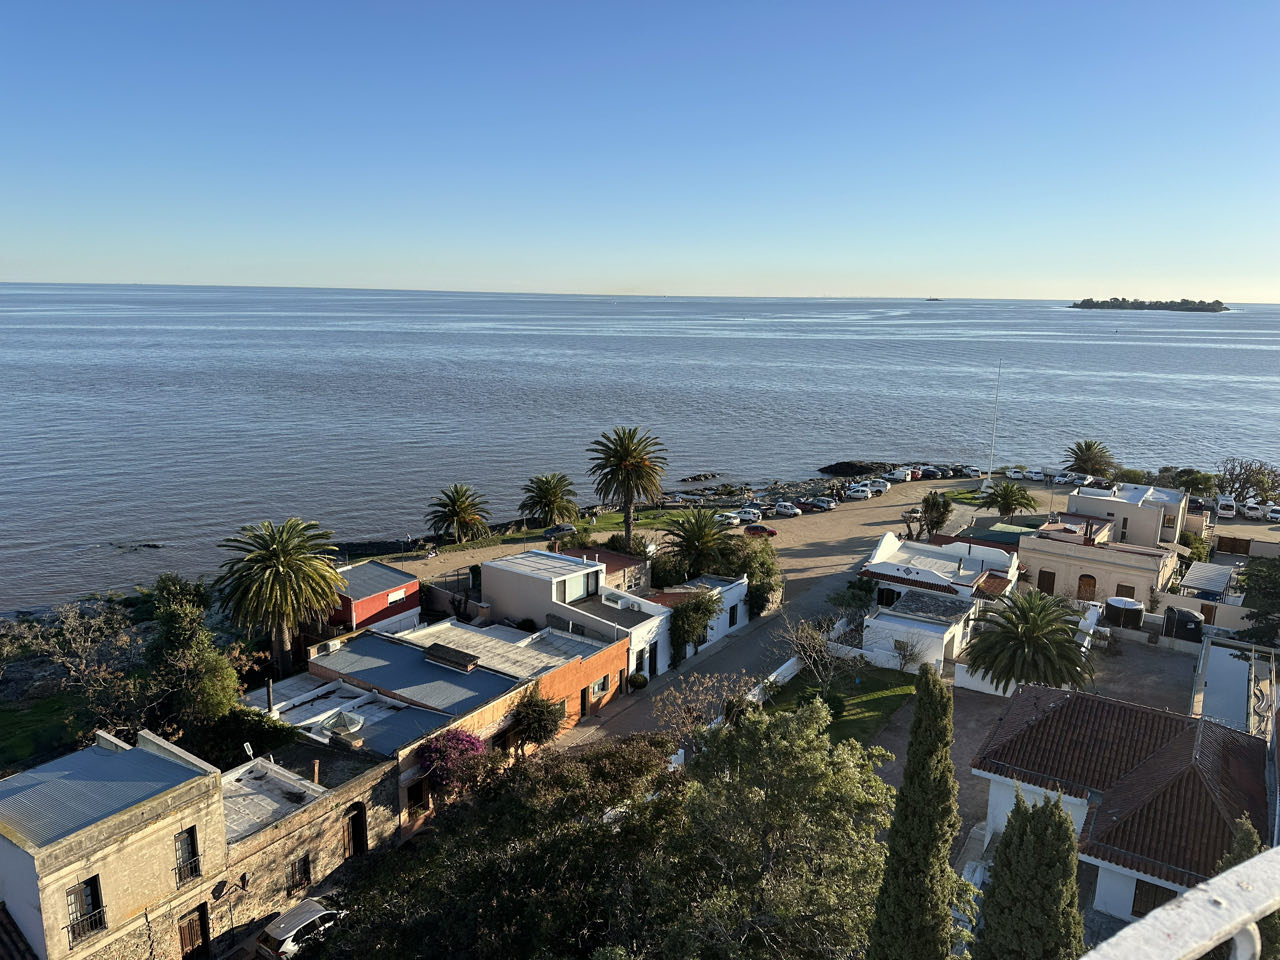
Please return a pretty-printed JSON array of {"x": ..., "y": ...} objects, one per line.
[{"x": 991, "y": 464}]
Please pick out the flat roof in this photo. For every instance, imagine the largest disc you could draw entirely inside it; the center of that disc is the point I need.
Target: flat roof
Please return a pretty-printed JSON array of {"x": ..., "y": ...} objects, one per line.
[
  {"x": 612, "y": 560},
  {"x": 1132, "y": 493},
  {"x": 907, "y": 623},
  {"x": 544, "y": 565},
  {"x": 259, "y": 793},
  {"x": 402, "y": 668},
  {"x": 933, "y": 606},
  {"x": 56, "y": 799},
  {"x": 371, "y": 577},
  {"x": 497, "y": 647},
  {"x": 625, "y": 618}
]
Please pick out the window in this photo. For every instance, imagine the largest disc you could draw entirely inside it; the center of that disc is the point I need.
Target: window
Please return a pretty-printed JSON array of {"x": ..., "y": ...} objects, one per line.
[
  {"x": 187, "y": 855},
  {"x": 395, "y": 596},
  {"x": 416, "y": 797},
  {"x": 733, "y": 615},
  {"x": 298, "y": 875},
  {"x": 600, "y": 687},
  {"x": 85, "y": 911},
  {"x": 1045, "y": 583},
  {"x": 1125, "y": 590},
  {"x": 1147, "y": 896},
  {"x": 561, "y": 591},
  {"x": 1168, "y": 521}
]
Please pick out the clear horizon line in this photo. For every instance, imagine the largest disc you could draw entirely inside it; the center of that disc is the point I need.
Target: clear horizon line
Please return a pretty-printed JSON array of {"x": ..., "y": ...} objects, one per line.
[{"x": 560, "y": 293}]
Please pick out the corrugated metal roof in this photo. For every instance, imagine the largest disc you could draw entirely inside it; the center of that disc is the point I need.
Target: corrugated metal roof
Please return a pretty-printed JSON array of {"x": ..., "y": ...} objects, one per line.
[
  {"x": 1206, "y": 577},
  {"x": 62, "y": 797},
  {"x": 371, "y": 578}
]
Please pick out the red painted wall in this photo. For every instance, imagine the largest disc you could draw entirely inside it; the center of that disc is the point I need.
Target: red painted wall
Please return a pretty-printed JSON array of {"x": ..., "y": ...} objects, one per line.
[{"x": 367, "y": 610}]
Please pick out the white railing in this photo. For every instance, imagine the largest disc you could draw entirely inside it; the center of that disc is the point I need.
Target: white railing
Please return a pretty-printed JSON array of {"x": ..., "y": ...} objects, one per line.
[{"x": 1227, "y": 907}]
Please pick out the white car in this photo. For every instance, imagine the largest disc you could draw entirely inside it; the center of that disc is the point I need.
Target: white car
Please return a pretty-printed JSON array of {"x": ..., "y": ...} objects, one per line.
[
  {"x": 286, "y": 935},
  {"x": 858, "y": 493},
  {"x": 747, "y": 515},
  {"x": 1065, "y": 478},
  {"x": 1252, "y": 511},
  {"x": 784, "y": 509},
  {"x": 1082, "y": 480},
  {"x": 728, "y": 519},
  {"x": 1033, "y": 474},
  {"x": 1274, "y": 514},
  {"x": 975, "y": 472},
  {"x": 883, "y": 486},
  {"x": 1013, "y": 473}
]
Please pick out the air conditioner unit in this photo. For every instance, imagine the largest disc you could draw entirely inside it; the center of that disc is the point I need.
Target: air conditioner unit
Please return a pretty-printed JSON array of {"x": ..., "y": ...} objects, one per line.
[
  {"x": 613, "y": 600},
  {"x": 633, "y": 605},
  {"x": 331, "y": 646}
]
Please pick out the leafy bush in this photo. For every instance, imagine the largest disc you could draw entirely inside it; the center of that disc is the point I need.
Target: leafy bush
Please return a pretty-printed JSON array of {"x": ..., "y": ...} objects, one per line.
[
  {"x": 1198, "y": 546},
  {"x": 638, "y": 681},
  {"x": 667, "y": 570},
  {"x": 689, "y": 621},
  {"x": 580, "y": 540},
  {"x": 448, "y": 760},
  {"x": 536, "y": 720},
  {"x": 220, "y": 741},
  {"x": 638, "y": 547}
]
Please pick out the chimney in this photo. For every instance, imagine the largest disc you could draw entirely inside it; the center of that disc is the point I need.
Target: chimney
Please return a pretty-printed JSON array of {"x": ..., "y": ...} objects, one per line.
[
  {"x": 271, "y": 697},
  {"x": 315, "y": 771}
]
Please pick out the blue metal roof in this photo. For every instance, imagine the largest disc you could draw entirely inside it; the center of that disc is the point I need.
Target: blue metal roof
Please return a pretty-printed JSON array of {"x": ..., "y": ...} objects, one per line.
[
  {"x": 404, "y": 669},
  {"x": 371, "y": 578},
  {"x": 388, "y": 734},
  {"x": 59, "y": 798}
]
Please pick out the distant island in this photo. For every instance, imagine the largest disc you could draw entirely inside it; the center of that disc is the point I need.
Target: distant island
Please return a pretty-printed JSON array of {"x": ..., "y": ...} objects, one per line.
[{"x": 1121, "y": 303}]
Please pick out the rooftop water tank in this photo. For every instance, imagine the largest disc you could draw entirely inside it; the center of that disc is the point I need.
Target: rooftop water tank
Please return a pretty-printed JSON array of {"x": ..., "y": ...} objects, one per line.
[
  {"x": 1183, "y": 624},
  {"x": 1124, "y": 612}
]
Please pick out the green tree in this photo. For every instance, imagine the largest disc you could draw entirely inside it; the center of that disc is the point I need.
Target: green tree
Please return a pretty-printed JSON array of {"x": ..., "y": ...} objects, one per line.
[
  {"x": 756, "y": 559},
  {"x": 772, "y": 848},
  {"x": 913, "y": 913},
  {"x": 1262, "y": 597},
  {"x": 536, "y": 719},
  {"x": 698, "y": 540},
  {"x": 1007, "y": 498},
  {"x": 936, "y": 510},
  {"x": 279, "y": 577},
  {"x": 628, "y": 466},
  {"x": 1091, "y": 457},
  {"x": 460, "y": 511},
  {"x": 1029, "y": 638},
  {"x": 1132, "y": 475},
  {"x": 1246, "y": 846},
  {"x": 689, "y": 621},
  {"x": 549, "y": 498},
  {"x": 1032, "y": 909},
  {"x": 1196, "y": 544}
]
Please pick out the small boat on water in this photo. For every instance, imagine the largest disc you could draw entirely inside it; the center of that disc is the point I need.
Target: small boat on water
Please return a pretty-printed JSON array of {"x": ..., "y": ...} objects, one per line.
[{"x": 932, "y": 299}]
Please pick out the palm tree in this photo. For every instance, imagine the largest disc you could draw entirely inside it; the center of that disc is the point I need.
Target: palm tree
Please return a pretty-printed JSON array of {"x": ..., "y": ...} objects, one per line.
[
  {"x": 549, "y": 498},
  {"x": 1008, "y": 498},
  {"x": 1091, "y": 457},
  {"x": 628, "y": 466},
  {"x": 698, "y": 539},
  {"x": 1030, "y": 638},
  {"x": 460, "y": 511},
  {"x": 936, "y": 510},
  {"x": 279, "y": 577}
]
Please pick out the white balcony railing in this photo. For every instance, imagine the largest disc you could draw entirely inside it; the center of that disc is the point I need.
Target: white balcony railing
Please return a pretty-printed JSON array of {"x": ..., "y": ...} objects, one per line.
[{"x": 1227, "y": 907}]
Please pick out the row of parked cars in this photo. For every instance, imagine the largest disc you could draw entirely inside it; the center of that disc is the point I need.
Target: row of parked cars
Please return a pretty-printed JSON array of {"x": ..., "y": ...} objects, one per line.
[
  {"x": 1226, "y": 509},
  {"x": 931, "y": 472}
]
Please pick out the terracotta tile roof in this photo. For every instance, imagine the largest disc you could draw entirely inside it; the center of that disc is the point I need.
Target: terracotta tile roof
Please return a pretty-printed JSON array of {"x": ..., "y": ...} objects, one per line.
[
  {"x": 992, "y": 586},
  {"x": 1163, "y": 789},
  {"x": 907, "y": 581},
  {"x": 13, "y": 945}
]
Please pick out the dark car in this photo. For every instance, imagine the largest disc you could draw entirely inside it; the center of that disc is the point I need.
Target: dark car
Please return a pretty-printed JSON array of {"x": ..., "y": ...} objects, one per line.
[
  {"x": 1197, "y": 504},
  {"x": 759, "y": 506},
  {"x": 932, "y": 473},
  {"x": 759, "y": 530},
  {"x": 559, "y": 530},
  {"x": 807, "y": 506}
]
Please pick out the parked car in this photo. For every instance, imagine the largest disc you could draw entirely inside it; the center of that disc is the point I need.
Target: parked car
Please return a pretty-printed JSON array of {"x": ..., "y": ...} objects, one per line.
[
  {"x": 1100, "y": 483},
  {"x": 1274, "y": 514},
  {"x": 1064, "y": 477},
  {"x": 915, "y": 513},
  {"x": 900, "y": 475},
  {"x": 858, "y": 493},
  {"x": 759, "y": 530},
  {"x": 931, "y": 473},
  {"x": 784, "y": 509},
  {"x": 879, "y": 486},
  {"x": 728, "y": 519},
  {"x": 915, "y": 473},
  {"x": 1196, "y": 504},
  {"x": 1225, "y": 507},
  {"x": 975, "y": 472},
  {"x": 759, "y": 506},
  {"x": 1013, "y": 473},
  {"x": 825, "y": 503},
  {"x": 1082, "y": 479},
  {"x": 1253, "y": 511},
  {"x": 286, "y": 935},
  {"x": 1033, "y": 474},
  {"x": 808, "y": 506},
  {"x": 747, "y": 515},
  {"x": 559, "y": 530}
]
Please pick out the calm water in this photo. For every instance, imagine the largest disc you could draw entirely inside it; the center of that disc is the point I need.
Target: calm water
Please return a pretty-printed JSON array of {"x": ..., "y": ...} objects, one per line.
[{"x": 176, "y": 414}]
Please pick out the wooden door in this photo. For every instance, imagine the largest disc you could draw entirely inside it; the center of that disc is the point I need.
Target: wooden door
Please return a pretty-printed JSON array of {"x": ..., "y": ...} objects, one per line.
[{"x": 193, "y": 931}]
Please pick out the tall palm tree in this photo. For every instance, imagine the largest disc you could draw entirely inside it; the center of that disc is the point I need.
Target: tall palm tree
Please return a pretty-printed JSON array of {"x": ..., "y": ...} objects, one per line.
[
  {"x": 460, "y": 511},
  {"x": 698, "y": 539},
  {"x": 936, "y": 510},
  {"x": 549, "y": 498},
  {"x": 628, "y": 466},
  {"x": 279, "y": 577},
  {"x": 1091, "y": 457},
  {"x": 1030, "y": 638},
  {"x": 1007, "y": 498}
]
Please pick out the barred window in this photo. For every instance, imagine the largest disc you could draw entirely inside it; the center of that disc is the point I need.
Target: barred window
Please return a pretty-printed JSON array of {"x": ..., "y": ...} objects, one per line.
[{"x": 299, "y": 873}]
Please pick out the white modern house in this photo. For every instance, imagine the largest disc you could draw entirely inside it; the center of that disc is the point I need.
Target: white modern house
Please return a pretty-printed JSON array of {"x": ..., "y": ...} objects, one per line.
[
  {"x": 1154, "y": 795},
  {"x": 1142, "y": 514},
  {"x": 959, "y": 569}
]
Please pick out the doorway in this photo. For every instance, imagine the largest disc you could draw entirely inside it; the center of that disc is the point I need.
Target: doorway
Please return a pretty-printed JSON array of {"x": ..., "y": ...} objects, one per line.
[
  {"x": 585, "y": 702},
  {"x": 193, "y": 934},
  {"x": 1086, "y": 587},
  {"x": 355, "y": 832}
]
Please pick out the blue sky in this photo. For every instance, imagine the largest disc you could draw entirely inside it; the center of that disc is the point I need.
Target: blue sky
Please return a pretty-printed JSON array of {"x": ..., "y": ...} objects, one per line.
[{"x": 1018, "y": 149}]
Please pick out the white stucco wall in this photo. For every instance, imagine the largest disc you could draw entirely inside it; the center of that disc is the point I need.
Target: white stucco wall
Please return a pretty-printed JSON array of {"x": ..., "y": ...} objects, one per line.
[
  {"x": 20, "y": 892},
  {"x": 1000, "y": 800},
  {"x": 1114, "y": 894}
]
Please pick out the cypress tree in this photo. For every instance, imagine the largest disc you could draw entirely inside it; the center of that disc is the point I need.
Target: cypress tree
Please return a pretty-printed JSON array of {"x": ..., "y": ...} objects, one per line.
[
  {"x": 913, "y": 910},
  {"x": 1247, "y": 844},
  {"x": 1032, "y": 910}
]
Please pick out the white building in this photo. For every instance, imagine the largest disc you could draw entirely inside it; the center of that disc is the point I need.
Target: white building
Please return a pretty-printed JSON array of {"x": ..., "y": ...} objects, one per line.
[
  {"x": 920, "y": 627},
  {"x": 960, "y": 569},
  {"x": 1142, "y": 514},
  {"x": 1154, "y": 795}
]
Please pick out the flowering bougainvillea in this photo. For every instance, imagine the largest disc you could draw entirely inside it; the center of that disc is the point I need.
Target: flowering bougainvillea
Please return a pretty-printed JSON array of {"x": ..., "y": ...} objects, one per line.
[{"x": 448, "y": 759}]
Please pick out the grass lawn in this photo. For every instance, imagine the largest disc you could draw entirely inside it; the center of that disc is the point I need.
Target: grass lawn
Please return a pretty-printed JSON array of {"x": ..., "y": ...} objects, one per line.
[
  {"x": 869, "y": 701},
  {"x": 37, "y": 730},
  {"x": 971, "y": 497}
]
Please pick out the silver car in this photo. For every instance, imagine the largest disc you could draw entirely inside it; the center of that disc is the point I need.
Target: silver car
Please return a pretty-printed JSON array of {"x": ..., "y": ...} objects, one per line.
[{"x": 285, "y": 936}]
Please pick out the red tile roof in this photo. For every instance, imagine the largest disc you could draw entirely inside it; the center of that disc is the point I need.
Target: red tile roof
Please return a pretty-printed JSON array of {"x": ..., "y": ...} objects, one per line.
[
  {"x": 1164, "y": 790},
  {"x": 907, "y": 581}
]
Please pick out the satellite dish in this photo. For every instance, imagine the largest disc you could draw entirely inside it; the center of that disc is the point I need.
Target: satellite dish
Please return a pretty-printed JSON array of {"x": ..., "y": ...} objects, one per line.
[{"x": 249, "y": 750}]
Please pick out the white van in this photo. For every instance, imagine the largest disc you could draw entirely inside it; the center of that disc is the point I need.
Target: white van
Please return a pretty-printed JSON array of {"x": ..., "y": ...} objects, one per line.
[
  {"x": 1225, "y": 507},
  {"x": 901, "y": 475}
]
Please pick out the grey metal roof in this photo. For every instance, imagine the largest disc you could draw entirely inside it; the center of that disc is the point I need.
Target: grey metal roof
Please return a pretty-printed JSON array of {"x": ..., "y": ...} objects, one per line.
[
  {"x": 1206, "y": 578},
  {"x": 390, "y": 733},
  {"x": 934, "y": 606},
  {"x": 62, "y": 797},
  {"x": 544, "y": 565},
  {"x": 371, "y": 578},
  {"x": 402, "y": 668},
  {"x": 495, "y": 652},
  {"x": 596, "y": 607}
]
